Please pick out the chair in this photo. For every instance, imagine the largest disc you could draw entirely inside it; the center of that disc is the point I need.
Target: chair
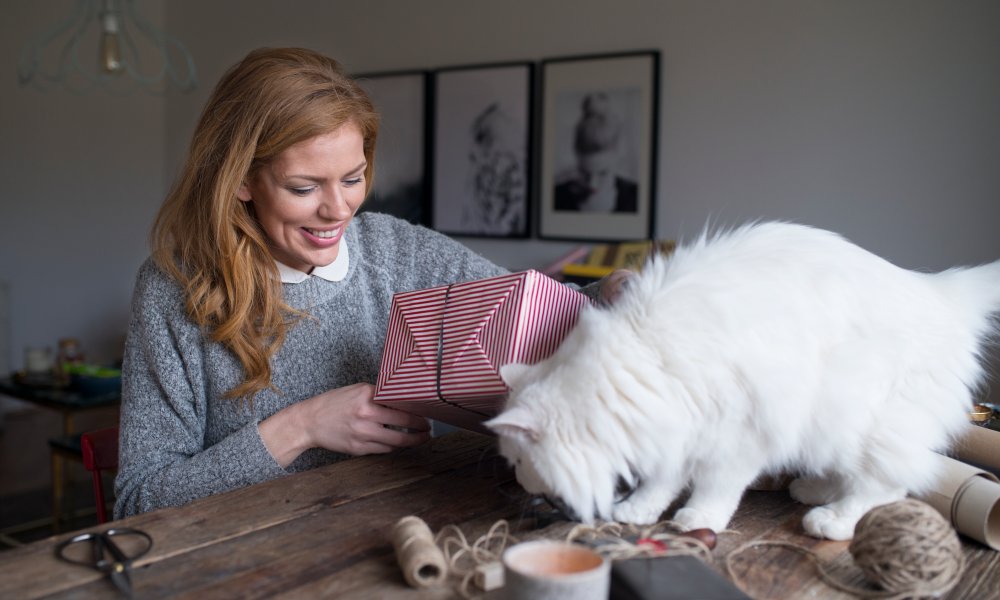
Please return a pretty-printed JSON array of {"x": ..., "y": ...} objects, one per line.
[{"x": 100, "y": 453}]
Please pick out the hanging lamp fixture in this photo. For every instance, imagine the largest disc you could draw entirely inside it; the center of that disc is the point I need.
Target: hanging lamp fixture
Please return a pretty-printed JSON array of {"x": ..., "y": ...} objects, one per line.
[{"x": 106, "y": 44}]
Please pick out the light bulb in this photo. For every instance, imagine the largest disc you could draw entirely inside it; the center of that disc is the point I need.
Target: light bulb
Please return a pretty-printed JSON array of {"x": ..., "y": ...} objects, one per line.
[{"x": 110, "y": 50}]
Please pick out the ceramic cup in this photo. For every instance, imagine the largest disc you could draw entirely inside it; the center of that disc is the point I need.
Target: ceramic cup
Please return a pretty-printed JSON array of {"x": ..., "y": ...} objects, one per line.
[{"x": 552, "y": 570}]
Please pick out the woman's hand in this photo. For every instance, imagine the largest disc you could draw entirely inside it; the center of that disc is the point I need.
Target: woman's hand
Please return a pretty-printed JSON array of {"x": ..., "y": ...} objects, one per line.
[
  {"x": 613, "y": 284},
  {"x": 344, "y": 420}
]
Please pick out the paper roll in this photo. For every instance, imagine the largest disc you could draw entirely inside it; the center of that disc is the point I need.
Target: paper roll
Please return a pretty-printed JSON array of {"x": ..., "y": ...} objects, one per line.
[
  {"x": 979, "y": 446},
  {"x": 969, "y": 498},
  {"x": 422, "y": 562}
]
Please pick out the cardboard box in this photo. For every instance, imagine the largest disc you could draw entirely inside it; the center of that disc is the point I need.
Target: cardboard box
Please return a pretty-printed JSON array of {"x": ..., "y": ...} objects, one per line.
[{"x": 445, "y": 345}]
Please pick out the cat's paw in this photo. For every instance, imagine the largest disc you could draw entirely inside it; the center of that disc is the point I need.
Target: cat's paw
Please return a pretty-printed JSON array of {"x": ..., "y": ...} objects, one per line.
[
  {"x": 823, "y": 522},
  {"x": 689, "y": 519},
  {"x": 637, "y": 513},
  {"x": 813, "y": 492}
]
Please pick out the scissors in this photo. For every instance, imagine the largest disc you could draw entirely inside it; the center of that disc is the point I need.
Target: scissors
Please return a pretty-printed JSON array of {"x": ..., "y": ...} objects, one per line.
[{"x": 106, "y": 555}]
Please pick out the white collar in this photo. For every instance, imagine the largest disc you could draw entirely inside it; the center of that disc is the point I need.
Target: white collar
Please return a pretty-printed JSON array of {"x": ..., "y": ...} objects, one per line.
[{"x": 335, "y": 271}]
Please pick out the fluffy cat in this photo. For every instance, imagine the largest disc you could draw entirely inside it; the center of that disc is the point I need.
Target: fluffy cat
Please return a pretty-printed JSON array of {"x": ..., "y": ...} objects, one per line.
[{"x": 772, "y": 347}]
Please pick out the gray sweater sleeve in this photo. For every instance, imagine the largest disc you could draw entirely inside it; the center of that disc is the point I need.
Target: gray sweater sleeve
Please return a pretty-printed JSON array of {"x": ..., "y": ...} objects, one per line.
[
  {"x": 163, "y": 459},
  {"x": 181, "y": 439}
]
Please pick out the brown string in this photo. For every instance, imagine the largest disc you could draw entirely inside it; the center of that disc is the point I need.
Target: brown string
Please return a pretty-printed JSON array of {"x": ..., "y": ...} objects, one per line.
[
  {"x": 462, "y": 557},
  {"x": 609, "y": 541}
]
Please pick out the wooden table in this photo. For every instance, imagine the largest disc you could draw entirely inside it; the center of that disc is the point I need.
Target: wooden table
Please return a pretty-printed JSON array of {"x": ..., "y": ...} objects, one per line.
[{"x": 324, "y": 533}]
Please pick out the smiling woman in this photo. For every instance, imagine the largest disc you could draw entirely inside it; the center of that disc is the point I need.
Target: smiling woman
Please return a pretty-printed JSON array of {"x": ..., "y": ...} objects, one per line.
[
  {"x": 306, "y": 197},
  {"x": 258, "y": 322}
]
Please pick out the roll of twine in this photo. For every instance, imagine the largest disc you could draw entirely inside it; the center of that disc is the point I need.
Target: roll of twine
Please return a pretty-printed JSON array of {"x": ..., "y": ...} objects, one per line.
[
  {"x": 419, "y": 557},
  {"x": 906, "y": 548}
]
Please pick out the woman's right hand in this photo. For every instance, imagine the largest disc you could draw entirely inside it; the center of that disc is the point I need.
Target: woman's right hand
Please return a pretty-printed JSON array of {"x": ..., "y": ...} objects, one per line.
[{"x": 345, "y": 420}]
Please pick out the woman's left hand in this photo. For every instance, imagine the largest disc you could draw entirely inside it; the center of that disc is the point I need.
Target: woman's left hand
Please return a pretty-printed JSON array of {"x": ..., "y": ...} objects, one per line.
[{"x": 613, "y": 284}]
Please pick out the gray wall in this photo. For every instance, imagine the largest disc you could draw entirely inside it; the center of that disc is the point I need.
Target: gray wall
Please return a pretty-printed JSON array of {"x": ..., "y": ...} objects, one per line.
[
  {"x": 876, "y": 119},
  {"x": 82, "y": 177}
]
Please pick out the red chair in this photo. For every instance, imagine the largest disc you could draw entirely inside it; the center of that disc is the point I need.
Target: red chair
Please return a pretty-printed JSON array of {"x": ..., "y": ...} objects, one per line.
[{"x": 100, "y": 453}]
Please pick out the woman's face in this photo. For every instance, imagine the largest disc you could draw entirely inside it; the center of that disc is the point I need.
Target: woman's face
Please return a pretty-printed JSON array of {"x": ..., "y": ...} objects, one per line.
[{"x": 305, "y": 197}]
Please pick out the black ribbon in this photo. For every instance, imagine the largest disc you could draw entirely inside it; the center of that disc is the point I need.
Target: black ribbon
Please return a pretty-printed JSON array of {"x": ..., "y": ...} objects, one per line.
[{"x": 440, "y": 355}]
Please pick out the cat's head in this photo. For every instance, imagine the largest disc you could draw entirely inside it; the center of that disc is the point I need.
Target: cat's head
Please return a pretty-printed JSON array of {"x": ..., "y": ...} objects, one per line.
[{"x": 560, "y": 443}]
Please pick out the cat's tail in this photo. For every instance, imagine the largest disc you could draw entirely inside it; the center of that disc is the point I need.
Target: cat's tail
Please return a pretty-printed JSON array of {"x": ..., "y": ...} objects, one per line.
[{"x": 977, "y": 289}]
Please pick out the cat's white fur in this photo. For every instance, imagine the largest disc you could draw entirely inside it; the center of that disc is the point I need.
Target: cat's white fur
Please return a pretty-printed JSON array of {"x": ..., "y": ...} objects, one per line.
[{"x": 768, "y": 348}]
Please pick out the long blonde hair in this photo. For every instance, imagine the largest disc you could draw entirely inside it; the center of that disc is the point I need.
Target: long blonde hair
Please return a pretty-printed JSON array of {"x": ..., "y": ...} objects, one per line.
[{"x": 207, "y": 239}]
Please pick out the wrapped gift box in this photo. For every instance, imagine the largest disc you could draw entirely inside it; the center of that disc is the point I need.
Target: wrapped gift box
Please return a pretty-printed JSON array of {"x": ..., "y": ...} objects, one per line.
[{"x": 445, "y": 345}]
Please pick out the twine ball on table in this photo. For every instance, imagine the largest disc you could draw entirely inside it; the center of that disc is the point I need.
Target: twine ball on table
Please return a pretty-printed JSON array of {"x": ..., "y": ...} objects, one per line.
[{"x": 907, "y": 547}]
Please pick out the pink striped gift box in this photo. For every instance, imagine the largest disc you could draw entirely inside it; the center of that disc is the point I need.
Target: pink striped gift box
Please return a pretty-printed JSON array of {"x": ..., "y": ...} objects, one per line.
[{"x": 445, "y": 345}]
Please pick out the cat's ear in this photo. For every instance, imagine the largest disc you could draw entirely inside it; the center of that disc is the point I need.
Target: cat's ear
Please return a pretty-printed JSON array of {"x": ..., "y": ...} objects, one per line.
[
  {"x": 517, "y": 423},
  {"x": 513, "y": 373}
]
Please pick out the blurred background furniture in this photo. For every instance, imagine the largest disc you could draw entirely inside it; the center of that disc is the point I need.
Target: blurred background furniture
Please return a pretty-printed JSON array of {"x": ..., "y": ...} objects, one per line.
[
  {"x": 68, "y": 401},
  {"x": 100, "y": 454}
]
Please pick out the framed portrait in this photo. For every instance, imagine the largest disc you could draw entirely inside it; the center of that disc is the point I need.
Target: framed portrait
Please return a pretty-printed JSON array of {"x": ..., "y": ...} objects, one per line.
[
  {"x": 400, "y": 186},
  {"x": 598, "y": 147},
  {"x": 481, "y": 182}
]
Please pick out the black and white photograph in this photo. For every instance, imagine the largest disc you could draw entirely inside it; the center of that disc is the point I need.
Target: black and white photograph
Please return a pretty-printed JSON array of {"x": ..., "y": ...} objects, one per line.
[
  {"x": 400, "y": 184},
  {"x": 482, "y": 150},
  {"x": 598, "y": 147}
]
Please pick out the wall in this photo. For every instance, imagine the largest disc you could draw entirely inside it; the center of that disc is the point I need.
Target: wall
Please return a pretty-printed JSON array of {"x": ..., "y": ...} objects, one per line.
[
  {"x": 876, "y": 119},
  {"x": 82, "y": 178}
]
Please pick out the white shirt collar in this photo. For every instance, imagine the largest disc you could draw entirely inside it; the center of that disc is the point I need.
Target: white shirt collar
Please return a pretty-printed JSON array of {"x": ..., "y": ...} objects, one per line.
[{"x": 335, "y": 271}]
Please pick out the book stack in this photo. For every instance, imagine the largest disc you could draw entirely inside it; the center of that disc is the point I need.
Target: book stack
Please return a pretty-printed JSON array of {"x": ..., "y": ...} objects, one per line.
[{"x": 602, "y": 259}]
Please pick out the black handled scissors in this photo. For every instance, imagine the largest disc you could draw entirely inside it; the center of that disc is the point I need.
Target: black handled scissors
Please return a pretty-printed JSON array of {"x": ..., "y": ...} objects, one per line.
[{"x": 106, "y": 555}]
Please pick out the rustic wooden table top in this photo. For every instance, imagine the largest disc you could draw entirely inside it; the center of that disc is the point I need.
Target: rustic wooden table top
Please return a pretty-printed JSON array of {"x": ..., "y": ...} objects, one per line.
[{"x": 325, "y": 533}]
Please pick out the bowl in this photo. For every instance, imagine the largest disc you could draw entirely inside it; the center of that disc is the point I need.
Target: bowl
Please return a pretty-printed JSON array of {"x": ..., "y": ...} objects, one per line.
[{"x": 92, "y": 380}]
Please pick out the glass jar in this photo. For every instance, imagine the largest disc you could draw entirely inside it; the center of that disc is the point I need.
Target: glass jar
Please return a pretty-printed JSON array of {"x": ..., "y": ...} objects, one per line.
[{"x": 69, "y": 353}]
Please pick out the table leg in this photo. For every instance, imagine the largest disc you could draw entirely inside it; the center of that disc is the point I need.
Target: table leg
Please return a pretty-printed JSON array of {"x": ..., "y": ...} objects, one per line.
[{"x": 57, "y": 491}]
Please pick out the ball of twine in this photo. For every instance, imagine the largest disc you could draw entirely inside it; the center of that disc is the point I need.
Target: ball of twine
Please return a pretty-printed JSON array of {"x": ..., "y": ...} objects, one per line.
[{"x": 907, "y": 547}]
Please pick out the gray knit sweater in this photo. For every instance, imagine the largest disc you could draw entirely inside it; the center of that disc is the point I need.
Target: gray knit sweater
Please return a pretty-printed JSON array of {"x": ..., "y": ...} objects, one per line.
[{"x": 181, "y": 439}]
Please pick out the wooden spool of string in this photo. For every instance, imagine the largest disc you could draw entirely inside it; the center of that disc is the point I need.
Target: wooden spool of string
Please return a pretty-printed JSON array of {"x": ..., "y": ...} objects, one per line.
[{"x": 419, "y": 557}]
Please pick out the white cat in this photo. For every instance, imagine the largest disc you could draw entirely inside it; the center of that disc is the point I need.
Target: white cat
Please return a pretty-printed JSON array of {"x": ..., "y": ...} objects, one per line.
[{"x": 774, "y": 347}]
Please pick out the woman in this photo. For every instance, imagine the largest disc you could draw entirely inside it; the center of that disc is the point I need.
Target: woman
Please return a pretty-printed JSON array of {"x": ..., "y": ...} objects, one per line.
[{"x": 257, "y": 324}]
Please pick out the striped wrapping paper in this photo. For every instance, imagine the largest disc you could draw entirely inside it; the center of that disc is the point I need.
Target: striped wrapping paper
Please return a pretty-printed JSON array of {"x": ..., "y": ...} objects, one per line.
[{"x": 445, "y": 345}]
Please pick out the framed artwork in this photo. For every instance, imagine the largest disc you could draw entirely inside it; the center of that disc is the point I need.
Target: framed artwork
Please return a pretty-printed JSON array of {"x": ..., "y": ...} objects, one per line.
[
  {"x": 598, "y": 147},
  {"x": 400, "y": 187},
  {"x": 481, "y": 182}
]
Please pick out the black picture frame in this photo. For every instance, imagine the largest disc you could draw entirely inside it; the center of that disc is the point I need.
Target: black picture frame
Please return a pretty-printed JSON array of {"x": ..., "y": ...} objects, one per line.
[
  {"x": 597, "y": 147},
  {"x": 481, "y": 173},
  {"x": 401, "y": 186}
]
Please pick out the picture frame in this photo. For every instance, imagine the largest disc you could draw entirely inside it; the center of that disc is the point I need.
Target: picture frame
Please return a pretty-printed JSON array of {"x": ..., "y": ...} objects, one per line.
[
  {"x": 482, "y": 158},
  {"x": 401, "y": 186},
  {"x": 597, "y": 147}
]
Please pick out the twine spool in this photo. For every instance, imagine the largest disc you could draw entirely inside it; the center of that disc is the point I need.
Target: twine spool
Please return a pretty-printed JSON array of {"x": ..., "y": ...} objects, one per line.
[
  {"x": 421, "y": 560},
  {"x": 907, "y": 546}
]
